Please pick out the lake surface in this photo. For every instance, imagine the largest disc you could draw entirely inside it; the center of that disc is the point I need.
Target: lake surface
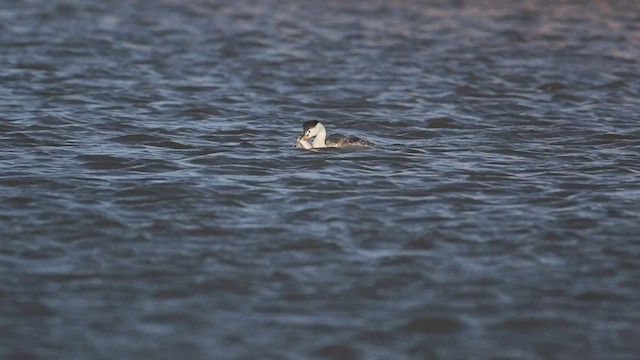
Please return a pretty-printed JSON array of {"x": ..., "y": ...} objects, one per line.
[{"x": 153, "y": 207}]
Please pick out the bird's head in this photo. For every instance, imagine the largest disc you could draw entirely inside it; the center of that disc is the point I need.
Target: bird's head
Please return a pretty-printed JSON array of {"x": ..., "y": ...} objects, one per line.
[{"x": 310, "y": 129}]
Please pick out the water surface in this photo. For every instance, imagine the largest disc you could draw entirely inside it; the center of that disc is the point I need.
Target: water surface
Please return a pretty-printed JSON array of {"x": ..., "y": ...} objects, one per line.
[{"x": 153, "y": 206}]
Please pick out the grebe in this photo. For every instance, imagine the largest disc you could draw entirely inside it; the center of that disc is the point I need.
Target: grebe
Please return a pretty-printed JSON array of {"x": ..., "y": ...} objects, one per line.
[{"x": 314, "y": 128}]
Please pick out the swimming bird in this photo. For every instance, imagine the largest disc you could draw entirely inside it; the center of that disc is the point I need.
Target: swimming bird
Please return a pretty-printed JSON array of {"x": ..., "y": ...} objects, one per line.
[{"x": 314, "y": 128}]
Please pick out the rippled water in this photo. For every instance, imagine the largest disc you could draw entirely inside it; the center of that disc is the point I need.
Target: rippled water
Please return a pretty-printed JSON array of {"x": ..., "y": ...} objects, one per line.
[{"x": 153, "y": 205}]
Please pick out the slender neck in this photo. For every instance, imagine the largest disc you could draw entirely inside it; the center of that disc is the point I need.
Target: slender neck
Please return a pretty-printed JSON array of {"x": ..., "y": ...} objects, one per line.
[{"x": 319, "y": 141}]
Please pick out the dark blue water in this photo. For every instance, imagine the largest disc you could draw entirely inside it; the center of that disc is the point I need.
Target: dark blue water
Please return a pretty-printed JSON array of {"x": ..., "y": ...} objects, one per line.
[{"x": 152, "y": 205}]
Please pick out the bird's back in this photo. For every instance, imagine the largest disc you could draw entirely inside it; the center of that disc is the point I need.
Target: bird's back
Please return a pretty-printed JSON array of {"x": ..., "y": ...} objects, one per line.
[{"x": 347, "y": 141}]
